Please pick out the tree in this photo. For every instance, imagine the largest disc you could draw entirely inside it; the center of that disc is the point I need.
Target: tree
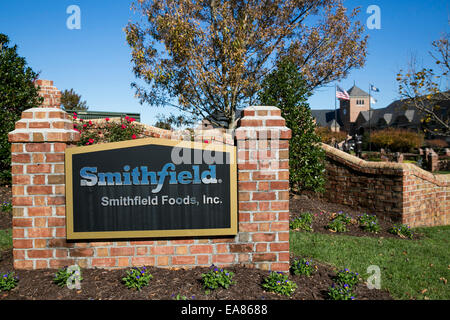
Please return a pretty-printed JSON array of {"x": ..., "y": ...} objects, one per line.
[
  {"x": 72, "y": 101},
  {"x": 208, "y": 58},
  {"x": 427, "y": 90},
  {"x": 17, "y": 93},
  {"x": 286, "y": 88}
]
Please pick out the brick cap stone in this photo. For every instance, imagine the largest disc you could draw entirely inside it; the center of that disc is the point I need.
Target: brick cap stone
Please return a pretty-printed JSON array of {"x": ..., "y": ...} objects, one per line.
[
  {"x": 262, "y": 122},
  {"x": 44, "y": 124},
  {"x": 387, "y": 168}
]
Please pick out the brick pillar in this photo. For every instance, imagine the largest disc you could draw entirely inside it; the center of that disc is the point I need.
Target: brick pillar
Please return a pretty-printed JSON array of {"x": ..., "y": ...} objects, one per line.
[
  {"x": 263, "y": 184},
  {"x": 37, "y": 144}
]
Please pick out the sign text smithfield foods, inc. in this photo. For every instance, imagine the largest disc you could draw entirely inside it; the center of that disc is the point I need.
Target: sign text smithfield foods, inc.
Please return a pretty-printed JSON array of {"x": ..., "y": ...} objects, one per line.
[{"x": 150, "y": 188}]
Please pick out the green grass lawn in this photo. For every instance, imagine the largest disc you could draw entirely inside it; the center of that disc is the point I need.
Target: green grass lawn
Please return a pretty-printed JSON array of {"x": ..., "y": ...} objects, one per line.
[
  {"x": 5, "y": 239},
  {"x": 409, "y": 268}
]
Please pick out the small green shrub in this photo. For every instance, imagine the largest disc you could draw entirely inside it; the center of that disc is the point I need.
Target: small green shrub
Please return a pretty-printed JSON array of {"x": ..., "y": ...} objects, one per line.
[
  {"x": 62, "y": 275},
  {"x": 369, "y": 223},
  {"x": 216, "y": 278},
  {"x": 137, "y": 278},
  {"x": 344, "y": 217},
  {"x": 6, "y": 207},
  {"x": 337, "y": 225},
  {"x": 303, "y": 222},
  {"x": 401, "y": 230},
  {"x": 303, "y": 267},
  {"x": 8, "y": 281},
  {"x": 340, "y": 292},
  {"x": 278, "y": 282},
  {"x": 347, "y": 277}
]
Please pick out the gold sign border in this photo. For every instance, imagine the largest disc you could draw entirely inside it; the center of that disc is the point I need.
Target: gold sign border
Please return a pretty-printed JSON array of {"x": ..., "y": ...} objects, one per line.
[{"x": 72, "y": 235}]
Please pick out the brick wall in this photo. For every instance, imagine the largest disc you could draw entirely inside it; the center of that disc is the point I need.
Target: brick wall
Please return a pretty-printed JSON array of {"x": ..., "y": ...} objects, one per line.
[
  {"x": 39, "y": 233},
  {"x": 399, "y": 192}
]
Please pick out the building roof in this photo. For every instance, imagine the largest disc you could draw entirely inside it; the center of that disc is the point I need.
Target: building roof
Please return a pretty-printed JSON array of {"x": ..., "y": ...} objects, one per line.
[
  {"x": 357, "y": 92},
  {"x": 325, "y": 118}
]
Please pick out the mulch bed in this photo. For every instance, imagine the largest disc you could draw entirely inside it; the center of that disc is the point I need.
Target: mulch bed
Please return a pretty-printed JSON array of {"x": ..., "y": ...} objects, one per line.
[
  {"x": 101, "y": 284},
  {"x": 323, "y": 211}
]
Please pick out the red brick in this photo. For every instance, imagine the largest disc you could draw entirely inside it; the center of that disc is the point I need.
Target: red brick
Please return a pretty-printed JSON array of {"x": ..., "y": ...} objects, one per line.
[
  {"x": 39, "y": 254},
  {"x": 104, "y": 262},
  {"x": 39, "y": 211},
  {"x": 279, "y": 246},
  {"x": 22, "y": 244},
  {"x": 82, "y": 252},
  {"x": 20, "y": 158},
  {"x": 40, "y": 232},
  {"x": 263, "y": 237},
  {"x": 39, "y": 190},
  {"x": 247, "y": 247},
  {"x": 223, "y": 258},
  {"x": 258, "y": 257},
  {"x": 162, "y": 250},
  {"x": 183, "y": 260},
  {"x": 201, "y": 249},
  {"x": 124, "y": 251},
  {"x": 264, "y": 196}
]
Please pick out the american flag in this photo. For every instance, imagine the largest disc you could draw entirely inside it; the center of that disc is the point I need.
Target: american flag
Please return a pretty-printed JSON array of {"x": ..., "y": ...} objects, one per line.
[{"x": 342, "y": 94}]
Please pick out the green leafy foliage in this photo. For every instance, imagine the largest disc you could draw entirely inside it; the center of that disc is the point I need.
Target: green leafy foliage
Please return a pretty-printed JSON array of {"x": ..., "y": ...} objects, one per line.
[
  {"x": 6, "y": 207},
  {"x": 303, "y": 267},
  {"x": 278, "y": 282},
  {"x": 369, "y": 223},
  {"x": 8, "y": 281},
  {"x": 70, "y": 100},
  {"x": 303, "y": 222},
  {"x": 347, "y": 277},
  {"x": 286, "y": 89},
  {"x": 62, "y": 275},
  {"x": 17, "y": 93},
  {"x": 401, "y": 230},
  {"x": 337, "y": 226},
  {"x": 341, "y": 292},
  {"x": 137, "y": 278},
  {"x": 216, "y": 278}
]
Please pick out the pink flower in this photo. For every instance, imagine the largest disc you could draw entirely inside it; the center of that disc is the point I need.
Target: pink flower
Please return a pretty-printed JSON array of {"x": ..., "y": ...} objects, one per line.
[
  {"x": 107, "y": 119},
  {"x": 124, "y": 126},
  {"x": 90, "y": 123},
  {"x": 206, "y": 141},
  {"x": 133, "y": 136},
  {"x": 131, "y": 119},
  {"x": 91, "y": 141}
]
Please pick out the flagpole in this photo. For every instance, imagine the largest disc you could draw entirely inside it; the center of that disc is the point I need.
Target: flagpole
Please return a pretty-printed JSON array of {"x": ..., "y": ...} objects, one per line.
[
  {"x": 335, "y": 107},
  {"x": 370, "y": 116}
]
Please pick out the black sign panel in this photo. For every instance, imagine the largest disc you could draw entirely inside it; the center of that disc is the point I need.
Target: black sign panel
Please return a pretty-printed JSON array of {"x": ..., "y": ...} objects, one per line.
[{"x": 150, "y": 188}]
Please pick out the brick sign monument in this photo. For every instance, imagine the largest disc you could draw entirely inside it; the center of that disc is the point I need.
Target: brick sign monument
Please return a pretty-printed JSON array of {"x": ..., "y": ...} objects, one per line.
[{"x": 95, "y": 206}]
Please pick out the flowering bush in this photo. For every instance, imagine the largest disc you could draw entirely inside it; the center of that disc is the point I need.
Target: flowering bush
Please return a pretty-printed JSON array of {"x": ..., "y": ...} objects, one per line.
[
  {"x": 137, "y": 278},
  {"x": 341, "y": 292},
  {"x": 278, "y": 282},
  {"x": 6, "y": 207},
  {"x": 401, "y": 230},
  {"x": 303, "y": 222},
  {"x": 216, "y": 277},
  {"x": 62, "y": 275},
  {"x": 339, "y": 222},
  {"x": 303, "y": 267},
  {"x": 107, "y": 131},
  {"x": 8, "y": 281},
  {"x": 369, "y": 223},
  {"x": 346, "y": 277},
  {"x": 337, "y": 225}
]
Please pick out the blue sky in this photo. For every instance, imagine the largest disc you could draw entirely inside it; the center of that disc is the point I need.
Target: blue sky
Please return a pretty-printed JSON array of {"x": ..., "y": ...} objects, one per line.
[{"x": 95, "y": 60}]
